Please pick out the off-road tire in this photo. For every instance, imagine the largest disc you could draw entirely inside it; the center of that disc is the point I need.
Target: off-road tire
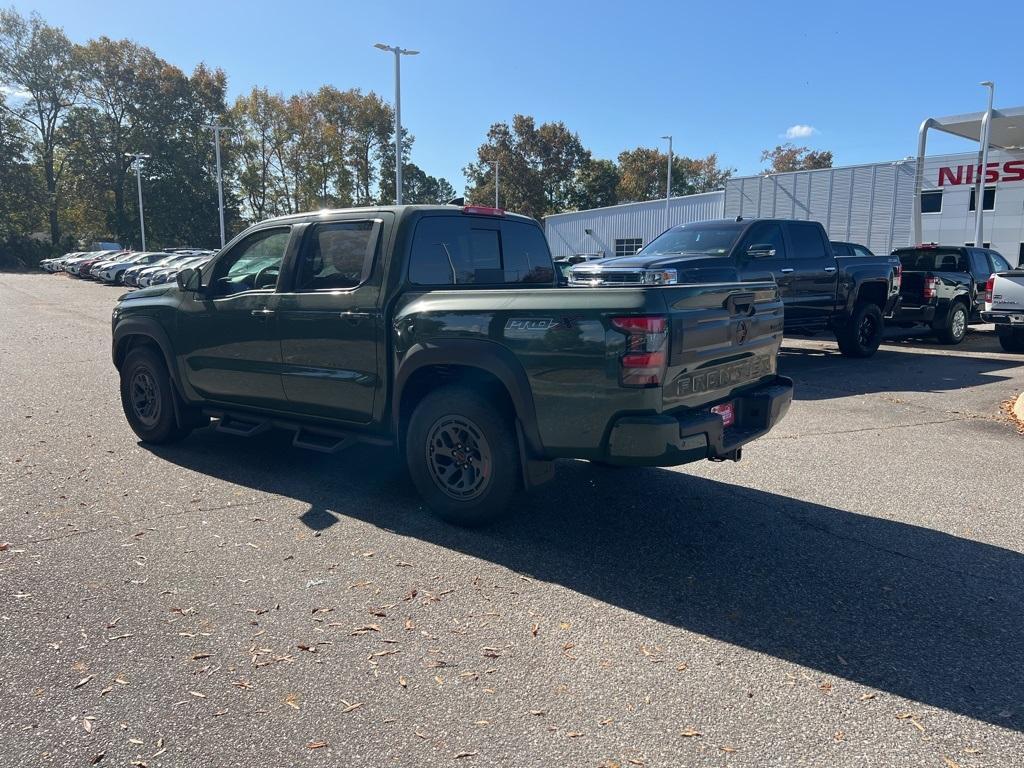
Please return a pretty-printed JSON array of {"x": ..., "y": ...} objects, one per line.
[
  {"x": 462, "y": 456},
  {"x": 1011, "y": 339},
  {"x": 862, "y": 334},
  {"x": 148, "y": 399}
]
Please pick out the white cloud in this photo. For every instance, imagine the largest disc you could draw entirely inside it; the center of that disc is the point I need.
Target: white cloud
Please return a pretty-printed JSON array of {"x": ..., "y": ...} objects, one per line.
[
  {"x": 14, "y": 93},
  {"x": 799, "y": 131}
]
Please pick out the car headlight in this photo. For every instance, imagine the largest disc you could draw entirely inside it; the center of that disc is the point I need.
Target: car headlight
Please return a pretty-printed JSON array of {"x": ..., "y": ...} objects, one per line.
[{"x": 660, "y": 277}]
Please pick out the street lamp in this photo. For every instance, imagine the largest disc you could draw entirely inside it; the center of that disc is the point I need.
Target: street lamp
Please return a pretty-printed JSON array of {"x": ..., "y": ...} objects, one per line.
[
  {"x": 668, "y": 184},
  {"x": 216, "y": 127},
  {"x": 138, "y": 159},
  {"x": 399, "y": 53},
  {"x": 979, "y": 188}
]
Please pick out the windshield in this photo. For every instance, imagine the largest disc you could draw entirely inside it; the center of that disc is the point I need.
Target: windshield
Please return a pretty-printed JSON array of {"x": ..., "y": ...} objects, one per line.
[{"x": 707, "y": 239}]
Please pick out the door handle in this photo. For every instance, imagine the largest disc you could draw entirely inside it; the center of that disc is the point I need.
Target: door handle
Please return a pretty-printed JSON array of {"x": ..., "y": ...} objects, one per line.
[
  {"x": 262, "y": 313},
  {"x": 830, "y": 270},
  {"x": 786, "y": 270},
  {"x": 355, "y": 315}
]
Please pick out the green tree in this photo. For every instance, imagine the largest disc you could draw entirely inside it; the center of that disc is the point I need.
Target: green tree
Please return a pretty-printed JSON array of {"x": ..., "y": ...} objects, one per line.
[
  {"x": 643, "y": 171},
  {"x": 40, "y": 65},
  {"x": 787, "y": 157},
  {"x": 596, "y": 185},
  {"x": 22, "y": 197},
  {"x": 538, "y": 166}
]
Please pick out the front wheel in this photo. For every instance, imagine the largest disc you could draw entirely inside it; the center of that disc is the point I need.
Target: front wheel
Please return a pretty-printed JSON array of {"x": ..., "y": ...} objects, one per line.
[
  {"x": 1011, "y": 339},
  {"x": 147, "y": 398},
  {"x": 861, "y": 336},
  {"x": 462, "y": 456},
  {"x": 955, "y": 328}
]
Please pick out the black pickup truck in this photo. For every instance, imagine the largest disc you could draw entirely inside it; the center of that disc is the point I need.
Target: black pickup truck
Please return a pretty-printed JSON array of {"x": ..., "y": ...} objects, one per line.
[
  {"x": 943, "y": 287},
  {"x": 441, "y": 330},
  {"x": 847, "y": 295}
]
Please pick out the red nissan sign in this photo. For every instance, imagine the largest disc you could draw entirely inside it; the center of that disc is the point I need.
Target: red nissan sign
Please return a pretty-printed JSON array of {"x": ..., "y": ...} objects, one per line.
[{"x": 1011, "y": 170}]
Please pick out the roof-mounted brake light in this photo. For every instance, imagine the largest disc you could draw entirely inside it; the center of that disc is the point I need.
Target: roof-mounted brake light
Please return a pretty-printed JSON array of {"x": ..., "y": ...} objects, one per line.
[{"x": 482, "y": 210}]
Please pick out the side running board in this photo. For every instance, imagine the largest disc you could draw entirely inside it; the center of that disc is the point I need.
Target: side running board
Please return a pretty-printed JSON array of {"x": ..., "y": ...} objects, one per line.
[{"x": 239, "y": 425}]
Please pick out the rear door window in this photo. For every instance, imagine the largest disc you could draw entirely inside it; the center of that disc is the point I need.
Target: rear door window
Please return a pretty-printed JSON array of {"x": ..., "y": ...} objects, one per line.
[
  {"x": 337, "y": 256},
  {"x": 466, "y": 250}
]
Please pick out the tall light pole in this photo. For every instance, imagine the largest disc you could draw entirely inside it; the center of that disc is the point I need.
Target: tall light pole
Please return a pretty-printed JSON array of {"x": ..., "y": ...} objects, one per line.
[
  {"x": 668, "y": 184},
  {"x": 138, "y": 158},
  {"x": 216, "y": 127},
  {"x": 399, "y": 53},
  {"x": 979, "y": 185}
]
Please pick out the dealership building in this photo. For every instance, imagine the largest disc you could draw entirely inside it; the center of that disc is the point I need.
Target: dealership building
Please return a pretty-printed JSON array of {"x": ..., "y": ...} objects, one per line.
[{"x": 871, "y": 204}]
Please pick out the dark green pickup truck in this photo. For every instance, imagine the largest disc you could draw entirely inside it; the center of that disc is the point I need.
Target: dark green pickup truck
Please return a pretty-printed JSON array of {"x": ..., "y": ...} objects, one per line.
[{"x": 441, "y": 330}]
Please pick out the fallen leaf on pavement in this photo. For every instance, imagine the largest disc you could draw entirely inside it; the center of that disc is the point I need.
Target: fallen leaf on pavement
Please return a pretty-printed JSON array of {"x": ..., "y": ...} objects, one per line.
[
  {"x": 198, "y": 695},
  {"x": 83, "y": 681},
  {"x": 690, "y": 733},
  {"x": 366, "y": 628},
  {"x": 730, "y": 750},
  {"x": 465, "y": 754},
  {"x": 951, "y": 763},
  {"x": 350, "y": 707},
  {"x": 316, "y": 745},
  {"x": 403, "y": 682},
  {"x": 292, "y": 700},
  {"x": 866, "y": 696}
]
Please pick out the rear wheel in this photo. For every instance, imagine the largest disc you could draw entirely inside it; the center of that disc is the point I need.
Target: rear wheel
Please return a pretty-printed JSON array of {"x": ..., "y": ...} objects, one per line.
[
  {"x": 147, "y": 398},
  {"x": 1011, "y": 339},
  {"x": 955, "y": 328},
  {"x": 462, "y": 456},
  {"x": 861, "y": 336}
]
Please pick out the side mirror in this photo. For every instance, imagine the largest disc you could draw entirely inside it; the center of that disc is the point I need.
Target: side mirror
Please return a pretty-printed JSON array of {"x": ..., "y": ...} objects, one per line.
[
  {"x": 189, "y": 279},
  {"x": 761, "y": 250}
]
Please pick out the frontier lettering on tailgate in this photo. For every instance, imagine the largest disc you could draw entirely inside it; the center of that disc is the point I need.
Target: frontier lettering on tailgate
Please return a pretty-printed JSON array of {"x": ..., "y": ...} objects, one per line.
[{"x": 722, "y": 376}]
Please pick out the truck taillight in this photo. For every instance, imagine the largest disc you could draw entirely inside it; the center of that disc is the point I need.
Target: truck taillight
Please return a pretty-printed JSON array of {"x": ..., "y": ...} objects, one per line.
[
  {"x": 899, "y": 277},
  {"x": 646, "y": 354},
  {"x": 988, "y": 288},
  {"x": 930, "y": 284}
]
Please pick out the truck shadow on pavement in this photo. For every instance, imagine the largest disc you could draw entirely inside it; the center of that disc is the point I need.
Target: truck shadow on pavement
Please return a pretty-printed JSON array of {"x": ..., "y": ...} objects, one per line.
[
  {"x": 822, "y": 374},
  {"x": 903, "y": 609}
]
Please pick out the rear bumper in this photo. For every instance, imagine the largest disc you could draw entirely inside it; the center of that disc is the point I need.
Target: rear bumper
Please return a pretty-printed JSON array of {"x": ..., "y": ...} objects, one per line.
[
  {"x": 666, "y": 441},
  {"x": 923, "y": 314},
  {"x": 1004, "y": 317}
]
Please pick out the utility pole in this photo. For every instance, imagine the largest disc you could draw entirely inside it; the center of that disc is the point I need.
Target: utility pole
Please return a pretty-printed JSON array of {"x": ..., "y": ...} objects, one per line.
[
  {"x": 399, "y": 53},
  {"x": 216, "y": 127},
  {"x": 496, "y": 184},
  {"x": 668, "y": 184},
  {"x": 138, "y": 159},
  {"x": 979, "y": 185}
]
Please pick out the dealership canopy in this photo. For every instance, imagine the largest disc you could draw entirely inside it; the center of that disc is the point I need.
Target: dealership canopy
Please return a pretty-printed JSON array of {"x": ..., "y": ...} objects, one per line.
[{"x": 1004, "y": 129}]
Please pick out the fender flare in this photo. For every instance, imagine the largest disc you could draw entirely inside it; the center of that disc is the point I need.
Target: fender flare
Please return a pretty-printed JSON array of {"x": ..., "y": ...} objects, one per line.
[
  {"x": 146, "y": 326},
  {"x": 473, "y": 353}
]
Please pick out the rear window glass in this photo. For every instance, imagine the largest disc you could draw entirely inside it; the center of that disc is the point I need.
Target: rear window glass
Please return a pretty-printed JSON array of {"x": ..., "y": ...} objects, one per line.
[
  {"x": 466, "y": 250},
  {"x": 937, "y": 259}
]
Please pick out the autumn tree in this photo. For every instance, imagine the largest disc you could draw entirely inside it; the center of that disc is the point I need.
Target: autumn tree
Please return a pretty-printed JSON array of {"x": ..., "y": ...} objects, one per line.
[
  {"x": 39, "y": 67},
  {"x": 643, "y": 174},
  {"x": 538, "y": 166},
  {"x": 787, "y": 157}
]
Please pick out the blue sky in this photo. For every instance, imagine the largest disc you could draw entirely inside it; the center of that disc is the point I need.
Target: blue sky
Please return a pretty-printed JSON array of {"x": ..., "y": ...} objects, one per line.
[{"x": 725, "y": 77}]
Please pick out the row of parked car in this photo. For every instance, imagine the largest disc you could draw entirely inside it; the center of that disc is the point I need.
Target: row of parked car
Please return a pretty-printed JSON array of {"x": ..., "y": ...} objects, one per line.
[
  {"x": 836, "y": 287},
  {"x": 131, "y": 268}
]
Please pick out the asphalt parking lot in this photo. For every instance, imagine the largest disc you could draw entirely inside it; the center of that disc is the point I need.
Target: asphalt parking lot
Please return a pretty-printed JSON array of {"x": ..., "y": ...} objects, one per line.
[{"x": 850, "y": 594}]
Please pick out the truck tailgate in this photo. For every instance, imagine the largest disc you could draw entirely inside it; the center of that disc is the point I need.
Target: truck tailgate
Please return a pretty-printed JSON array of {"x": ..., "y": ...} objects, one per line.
[
  {"x": 1007, "y": 292},
  {"x": 723, "y": 338}
]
